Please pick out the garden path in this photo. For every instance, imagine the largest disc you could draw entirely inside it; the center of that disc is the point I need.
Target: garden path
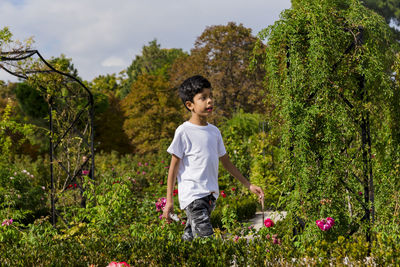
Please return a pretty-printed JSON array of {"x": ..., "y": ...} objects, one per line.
[{"x": 257, "y": 220}]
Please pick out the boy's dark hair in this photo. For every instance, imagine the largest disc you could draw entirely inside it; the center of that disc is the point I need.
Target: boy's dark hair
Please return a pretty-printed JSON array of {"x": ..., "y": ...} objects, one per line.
[{"x": 192, "y": 86}]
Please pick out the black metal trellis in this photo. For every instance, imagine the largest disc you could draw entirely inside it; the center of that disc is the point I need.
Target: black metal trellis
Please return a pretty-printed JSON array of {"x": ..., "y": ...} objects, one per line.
[{"x": 71, "y": 114}]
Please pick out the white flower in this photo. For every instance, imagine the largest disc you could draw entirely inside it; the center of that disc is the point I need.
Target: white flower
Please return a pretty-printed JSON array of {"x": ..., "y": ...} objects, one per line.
[
  {"x": 15, "y": 173},
  {"x": 44, "y": 188},
  {"x": 11, "y": 178},
  {"x": 32, "y": 176},
  {"x": 24, "y": 171}
]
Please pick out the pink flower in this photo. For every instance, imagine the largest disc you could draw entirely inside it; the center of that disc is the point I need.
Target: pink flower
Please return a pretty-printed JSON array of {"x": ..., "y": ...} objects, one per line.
[
  {"x": 183, "y": 222},
  {"x": 236, "y": 238},
  {"x": 146, "y": 164},
  {"x": 138, "y": 172},
  {"x": 166, "y": 167},
  {"x": 7, "y": 222},
  {"x": 85, "y": 172},
  {"x": 162, "y": 162},
  {"x": 223, "y": 194},
  {"x": 360, "y": 193},
  {"x": 118, "y": 264},
  {"x": 268, "y": 223},
  {"x": 140, "y": 164},
  {"x": 275, "y": 239},
  {"x": 160, "y": 204},
  {"x": 325, "y": 224},
  {"x": 143, "y": 172}
]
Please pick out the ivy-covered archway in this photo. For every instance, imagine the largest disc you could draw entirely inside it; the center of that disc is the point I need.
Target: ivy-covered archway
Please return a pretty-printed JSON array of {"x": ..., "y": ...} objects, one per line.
[{"x": 329, "y": 72}]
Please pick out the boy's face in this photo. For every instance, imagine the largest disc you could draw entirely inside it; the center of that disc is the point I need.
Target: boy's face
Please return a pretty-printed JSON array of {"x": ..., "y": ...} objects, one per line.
[{"x": 202, "y": 103}]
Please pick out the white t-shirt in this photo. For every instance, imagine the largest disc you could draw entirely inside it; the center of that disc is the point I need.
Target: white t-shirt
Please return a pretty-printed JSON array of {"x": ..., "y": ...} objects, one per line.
[{"x": 199, "y": 148}]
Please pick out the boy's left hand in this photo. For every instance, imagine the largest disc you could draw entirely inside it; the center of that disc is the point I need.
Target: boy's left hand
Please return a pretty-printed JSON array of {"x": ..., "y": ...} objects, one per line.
[{"x": 257, "y": 190}]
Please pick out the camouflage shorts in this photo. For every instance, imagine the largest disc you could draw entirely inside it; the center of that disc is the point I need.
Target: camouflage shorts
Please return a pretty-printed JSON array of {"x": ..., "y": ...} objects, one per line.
[{"x": 198, "y": 218}]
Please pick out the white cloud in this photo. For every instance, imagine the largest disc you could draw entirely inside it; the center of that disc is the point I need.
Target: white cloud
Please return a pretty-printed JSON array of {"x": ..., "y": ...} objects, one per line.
[
  {"x": 96, "y": 32},
  {"x": 113, "y": 62}
]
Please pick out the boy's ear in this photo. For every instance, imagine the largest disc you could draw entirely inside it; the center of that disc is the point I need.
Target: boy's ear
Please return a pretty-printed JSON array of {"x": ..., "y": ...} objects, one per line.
[{"x": 189, "y": 105}]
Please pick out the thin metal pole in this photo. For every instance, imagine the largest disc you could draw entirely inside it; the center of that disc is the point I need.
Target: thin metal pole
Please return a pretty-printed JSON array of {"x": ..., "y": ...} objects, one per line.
[{"x": 53, "y": 210}]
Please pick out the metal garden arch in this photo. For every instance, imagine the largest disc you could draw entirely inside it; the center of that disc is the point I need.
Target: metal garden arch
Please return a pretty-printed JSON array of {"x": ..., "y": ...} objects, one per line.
[{"x": 70, "y": 116}]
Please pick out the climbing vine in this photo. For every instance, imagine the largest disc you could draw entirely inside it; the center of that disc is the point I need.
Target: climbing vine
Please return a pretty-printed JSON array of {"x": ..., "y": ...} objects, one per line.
[{"x": 328, "y": 66}]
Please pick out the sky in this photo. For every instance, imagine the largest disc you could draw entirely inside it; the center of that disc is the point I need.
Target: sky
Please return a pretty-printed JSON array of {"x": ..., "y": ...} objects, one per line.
[{"x": 103, "y": 36}]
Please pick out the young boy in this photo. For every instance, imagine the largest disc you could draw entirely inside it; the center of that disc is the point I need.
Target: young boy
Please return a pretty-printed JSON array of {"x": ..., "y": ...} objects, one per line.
[{"x": 196, "y": 149}]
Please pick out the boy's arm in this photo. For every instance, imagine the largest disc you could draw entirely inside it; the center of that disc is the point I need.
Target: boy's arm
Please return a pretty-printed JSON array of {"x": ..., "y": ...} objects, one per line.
[
  {"x": 228, "y": 165},
  {"x": 173, "y": 171}
]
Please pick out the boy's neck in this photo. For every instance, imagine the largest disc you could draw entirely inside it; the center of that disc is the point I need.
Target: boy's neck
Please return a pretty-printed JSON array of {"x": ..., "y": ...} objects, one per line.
[{"x": 198, "y": 120}]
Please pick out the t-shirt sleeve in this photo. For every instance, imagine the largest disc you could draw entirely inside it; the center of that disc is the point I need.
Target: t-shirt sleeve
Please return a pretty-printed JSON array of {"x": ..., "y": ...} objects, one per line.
[
  {"x": 177, "y": 147},
  {"x": 221, "y": 146}
]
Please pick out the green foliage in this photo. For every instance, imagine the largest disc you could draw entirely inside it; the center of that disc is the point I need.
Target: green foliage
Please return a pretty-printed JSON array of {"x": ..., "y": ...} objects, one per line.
[
  {"x": 12, "y": 136},
  {"x": 255, "y": 152},
  {"x": 153, "y": 112},
  {"x": 32, "y": 101},
  {"x": 154, "y": 60},
  {"x": 237, "y": 133},
  {"x": 333, "y": 108},
  {"x": 5, "y": 36},
  {"x": 264, "y": 167},
  {"x": 389, "y": 9}
]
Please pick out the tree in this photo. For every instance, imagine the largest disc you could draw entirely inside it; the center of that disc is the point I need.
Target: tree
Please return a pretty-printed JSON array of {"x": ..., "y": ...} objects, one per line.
[
  {"x": 329, "y": 67},
  {"x": 222, "y": 54},
  {"x": 390, "y": 10},
  {"x": 153, "y": 60},
  {"x": 153, "y": 111}
]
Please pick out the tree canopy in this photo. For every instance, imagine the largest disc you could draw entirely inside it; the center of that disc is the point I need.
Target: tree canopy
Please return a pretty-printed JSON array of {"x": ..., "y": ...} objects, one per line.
[
  {"x": 152, "y": 111},
  {"x": 222, "y": 54},
  {"x": 153, "y": 60}
]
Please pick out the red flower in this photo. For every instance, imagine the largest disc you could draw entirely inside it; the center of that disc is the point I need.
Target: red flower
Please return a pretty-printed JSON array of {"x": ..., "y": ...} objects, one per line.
[
  {"x": 233, "y": 189},
  {"x": 70, "y": 186},
  {"x": 223, "y": 194},
  {"x": 175, "y": 192},
  {"x": 75, "y": 186},
  {"x": 268, "y": 223}
]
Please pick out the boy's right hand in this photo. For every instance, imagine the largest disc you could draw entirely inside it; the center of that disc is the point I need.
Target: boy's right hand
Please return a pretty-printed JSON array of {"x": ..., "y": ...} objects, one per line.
[{"x": 168, "y": 209}]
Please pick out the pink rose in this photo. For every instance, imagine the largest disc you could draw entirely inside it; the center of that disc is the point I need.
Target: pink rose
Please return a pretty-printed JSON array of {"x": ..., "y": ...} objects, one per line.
[{"x": 268, "y": 223}]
